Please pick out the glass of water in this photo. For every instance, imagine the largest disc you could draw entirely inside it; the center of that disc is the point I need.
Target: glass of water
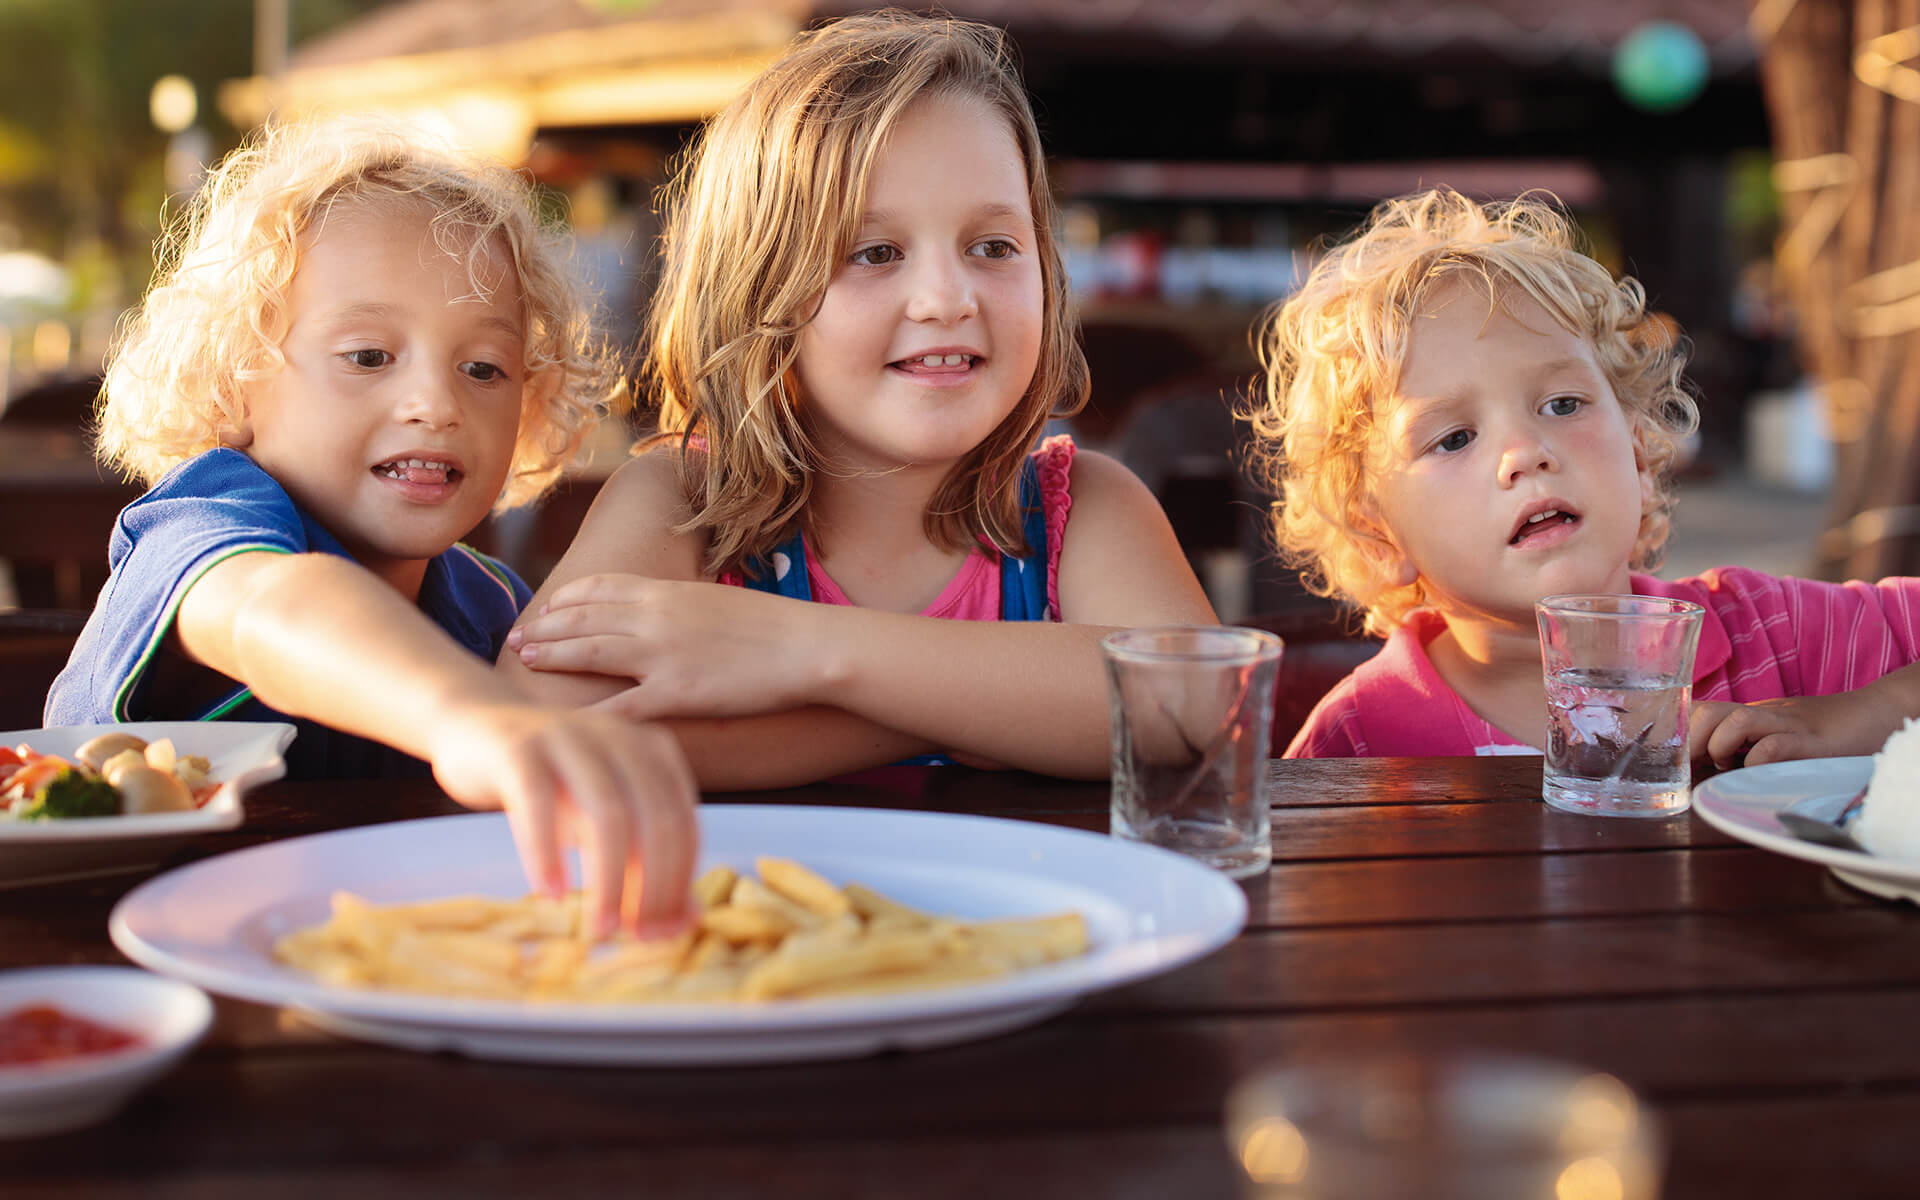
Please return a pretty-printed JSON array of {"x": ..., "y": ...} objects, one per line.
[
  {"x": 1619, "y": 675},
  {"x": 1192, "y": 710}
]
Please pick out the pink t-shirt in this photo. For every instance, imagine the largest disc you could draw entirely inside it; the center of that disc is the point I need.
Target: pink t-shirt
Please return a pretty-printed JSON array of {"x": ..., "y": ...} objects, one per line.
[
  {"x": 1764, "y": 637},
  {"x": 973, "y": 594}
]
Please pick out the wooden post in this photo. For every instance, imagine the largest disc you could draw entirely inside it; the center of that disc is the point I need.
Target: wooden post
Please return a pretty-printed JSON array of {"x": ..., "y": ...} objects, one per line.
[{"x": 1844, "y": 99}]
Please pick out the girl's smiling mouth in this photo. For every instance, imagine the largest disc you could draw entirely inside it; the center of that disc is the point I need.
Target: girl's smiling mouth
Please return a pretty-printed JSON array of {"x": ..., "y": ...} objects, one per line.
[{"x": 938, "y": 364}]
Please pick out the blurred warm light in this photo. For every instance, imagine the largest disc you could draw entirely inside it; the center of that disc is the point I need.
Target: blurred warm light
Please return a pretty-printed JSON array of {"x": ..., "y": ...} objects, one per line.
[
  {"x": 52, "y": 345},
  {"x": 172, "y": 103},
  {"x": 1600, "y": 1111},
  {"x": 1590, "y": 1179},
  {"x": 496, "y": 125},
  {"x": 1881, "y": 63},
  {"x": 1273, "y": 1151},
  {"x": 499, "y": 126}
]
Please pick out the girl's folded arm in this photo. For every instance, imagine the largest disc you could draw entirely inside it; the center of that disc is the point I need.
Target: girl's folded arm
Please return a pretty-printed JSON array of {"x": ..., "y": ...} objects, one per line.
[
  {"x": 629, "y": 530},
  {"x": 1028, "y": 694},
  {"x": 1024, "y": 694}
]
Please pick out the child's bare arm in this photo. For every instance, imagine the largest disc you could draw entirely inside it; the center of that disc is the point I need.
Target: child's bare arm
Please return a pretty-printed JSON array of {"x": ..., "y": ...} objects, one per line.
[
  {"x": 629, "y": 531},
  {"x": 1026, "y": 694},
  {"x": 316, "y": 636},
  {"x": 1856, "y": 722}
]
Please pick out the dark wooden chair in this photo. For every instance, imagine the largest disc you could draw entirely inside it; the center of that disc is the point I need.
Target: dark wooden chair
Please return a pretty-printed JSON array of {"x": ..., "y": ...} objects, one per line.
[
  {"x": 1322, "y": 644},
  {"x": 34, "y": 645},
  {"x": 57, "y": 506}
]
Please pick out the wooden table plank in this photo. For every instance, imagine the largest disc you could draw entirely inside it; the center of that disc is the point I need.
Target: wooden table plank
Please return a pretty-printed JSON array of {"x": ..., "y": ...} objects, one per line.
[
  {"x": 1307, "y": 894},
  {"x": 1426, "y": 906}
]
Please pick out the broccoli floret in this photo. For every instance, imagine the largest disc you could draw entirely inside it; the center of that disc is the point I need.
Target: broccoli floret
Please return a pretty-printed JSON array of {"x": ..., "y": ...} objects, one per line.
[{"x": 72, "y": 794}]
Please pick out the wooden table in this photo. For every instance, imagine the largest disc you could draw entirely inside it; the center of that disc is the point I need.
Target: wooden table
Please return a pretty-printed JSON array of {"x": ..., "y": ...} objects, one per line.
[{"x": 1765, "y": 1010}]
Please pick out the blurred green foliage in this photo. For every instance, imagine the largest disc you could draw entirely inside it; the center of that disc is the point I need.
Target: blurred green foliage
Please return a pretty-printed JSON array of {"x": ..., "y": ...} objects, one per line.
[{"x": 80, "y": 160}]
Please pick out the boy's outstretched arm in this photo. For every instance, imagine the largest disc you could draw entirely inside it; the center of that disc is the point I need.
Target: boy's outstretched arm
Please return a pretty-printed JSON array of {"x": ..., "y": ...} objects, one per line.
[
  {"x": 319, "y": 637},
  {"x": 1845, "y": 723},
  {"x": 1023, "y": 694}
]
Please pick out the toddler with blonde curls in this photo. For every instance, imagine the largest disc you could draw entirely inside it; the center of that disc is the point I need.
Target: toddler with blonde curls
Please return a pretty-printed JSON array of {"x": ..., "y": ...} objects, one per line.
[
  {"x": 1463, "y": 413},
  {"x": 358, "y": 343}
]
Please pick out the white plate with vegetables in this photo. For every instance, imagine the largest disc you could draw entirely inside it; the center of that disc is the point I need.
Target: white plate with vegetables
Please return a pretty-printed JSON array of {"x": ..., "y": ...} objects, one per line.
[{"x": 66, "y": 820}]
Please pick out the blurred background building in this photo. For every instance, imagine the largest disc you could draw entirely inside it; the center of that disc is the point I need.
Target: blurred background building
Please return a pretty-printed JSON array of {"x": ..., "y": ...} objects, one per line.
[{"x": 1201, "y": 149}]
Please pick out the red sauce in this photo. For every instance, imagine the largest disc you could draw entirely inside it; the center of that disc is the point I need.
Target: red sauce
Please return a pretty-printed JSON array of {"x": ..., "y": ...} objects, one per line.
[{"x": 43, "y": 1033}]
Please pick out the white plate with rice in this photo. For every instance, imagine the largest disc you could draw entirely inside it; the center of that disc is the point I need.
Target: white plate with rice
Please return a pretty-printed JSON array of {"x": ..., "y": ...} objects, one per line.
[{"x": 1743, "y": 803}]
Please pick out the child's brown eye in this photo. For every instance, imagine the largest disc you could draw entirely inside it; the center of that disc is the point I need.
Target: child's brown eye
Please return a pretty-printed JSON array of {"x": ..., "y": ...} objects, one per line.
[
  {"x": 368, "y": 359},
  {"x": 485, "y": 372},
  {"x": 875, "y": 256}
]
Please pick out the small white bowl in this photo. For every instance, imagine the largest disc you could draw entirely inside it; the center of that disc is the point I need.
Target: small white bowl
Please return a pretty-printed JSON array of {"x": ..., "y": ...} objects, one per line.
[{"x": 51, "y": 1097}]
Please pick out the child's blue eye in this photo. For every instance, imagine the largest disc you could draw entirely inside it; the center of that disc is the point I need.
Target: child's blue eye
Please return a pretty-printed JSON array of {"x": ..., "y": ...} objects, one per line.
[
  {"x": 1454, "y": 442},
  {"x": 1564, "y": 406},
  {"x": 996, "y": 248},
  {"x": 876, "y": 256},
  {"x": 485, "y": 372},
  {"x": 368, "y": 359}
]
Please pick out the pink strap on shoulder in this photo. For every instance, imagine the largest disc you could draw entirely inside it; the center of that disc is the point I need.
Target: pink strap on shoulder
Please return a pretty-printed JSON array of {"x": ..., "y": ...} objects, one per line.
[{"x": 1054, "y": 460}]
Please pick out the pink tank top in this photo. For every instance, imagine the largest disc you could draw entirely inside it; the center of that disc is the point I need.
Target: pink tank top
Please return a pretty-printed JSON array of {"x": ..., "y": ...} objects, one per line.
[{"x": 973, "y": 594}]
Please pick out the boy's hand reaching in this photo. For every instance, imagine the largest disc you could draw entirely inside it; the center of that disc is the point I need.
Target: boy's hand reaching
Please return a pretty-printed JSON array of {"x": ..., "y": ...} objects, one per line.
[{"x": 622, "y": 791}]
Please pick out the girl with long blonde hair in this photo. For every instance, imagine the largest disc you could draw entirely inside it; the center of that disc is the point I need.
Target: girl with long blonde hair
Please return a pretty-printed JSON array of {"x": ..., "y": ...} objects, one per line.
[{"x": 863, "y": 326}]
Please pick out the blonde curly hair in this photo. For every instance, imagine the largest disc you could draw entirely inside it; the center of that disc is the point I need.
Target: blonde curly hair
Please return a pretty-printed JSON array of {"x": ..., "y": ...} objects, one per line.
[
  {"x": 761, "y": 214},
  {"x": 1332, "y": 354},
  {"x": 216, "y": 314}
]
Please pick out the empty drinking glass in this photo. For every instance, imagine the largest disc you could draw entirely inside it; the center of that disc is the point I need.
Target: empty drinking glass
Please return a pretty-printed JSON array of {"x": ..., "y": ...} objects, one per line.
[{"x": 1192, "y": 714}]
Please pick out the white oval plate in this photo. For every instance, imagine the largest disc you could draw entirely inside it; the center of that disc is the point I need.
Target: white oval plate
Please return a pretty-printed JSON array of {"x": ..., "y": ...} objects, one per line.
[
  {"x": 1742, "y": 803},
  {"x": 1148, "y": 911},
  {"x": 240, "y": 754}
]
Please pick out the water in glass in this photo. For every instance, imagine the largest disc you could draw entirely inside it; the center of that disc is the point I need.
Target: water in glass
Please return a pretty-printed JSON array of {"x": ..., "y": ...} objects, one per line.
[{"x": 1617, "y": 743}]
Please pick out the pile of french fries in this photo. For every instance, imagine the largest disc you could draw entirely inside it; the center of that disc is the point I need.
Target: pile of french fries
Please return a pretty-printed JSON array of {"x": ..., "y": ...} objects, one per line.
[{"x": 787, "y": 935}]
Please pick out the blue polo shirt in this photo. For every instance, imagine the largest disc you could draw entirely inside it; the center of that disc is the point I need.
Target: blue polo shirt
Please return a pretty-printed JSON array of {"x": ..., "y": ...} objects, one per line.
[{"x": 212, "y": 507}]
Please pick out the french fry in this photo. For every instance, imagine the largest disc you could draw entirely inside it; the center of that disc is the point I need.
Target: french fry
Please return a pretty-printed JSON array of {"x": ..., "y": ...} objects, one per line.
[
  {"x": 750, "y": 893},
  {"x": 785, "y": 973},
  {"x": 714, "y": 886},
  {"x": 787, "y": 935},
  {"x": 740, "y": 925},
  {"x": 872, "y": 905},
  {"x": 948, "y": 972},
  {"x": 803, "y": 887},
  {"x": 555, "y": 964},
  {"x": 1029, "y": 942}
]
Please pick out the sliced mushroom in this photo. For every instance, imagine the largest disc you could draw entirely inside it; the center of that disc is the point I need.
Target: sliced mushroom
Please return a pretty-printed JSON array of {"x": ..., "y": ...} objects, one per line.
[
  {"x": 112, "y": 768},
  {"x": 95, "y": 751},
  {"x": 161, "y": 754},
  {"x": 145, "y": 790},
  {"x": 192, "y": 769}
]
